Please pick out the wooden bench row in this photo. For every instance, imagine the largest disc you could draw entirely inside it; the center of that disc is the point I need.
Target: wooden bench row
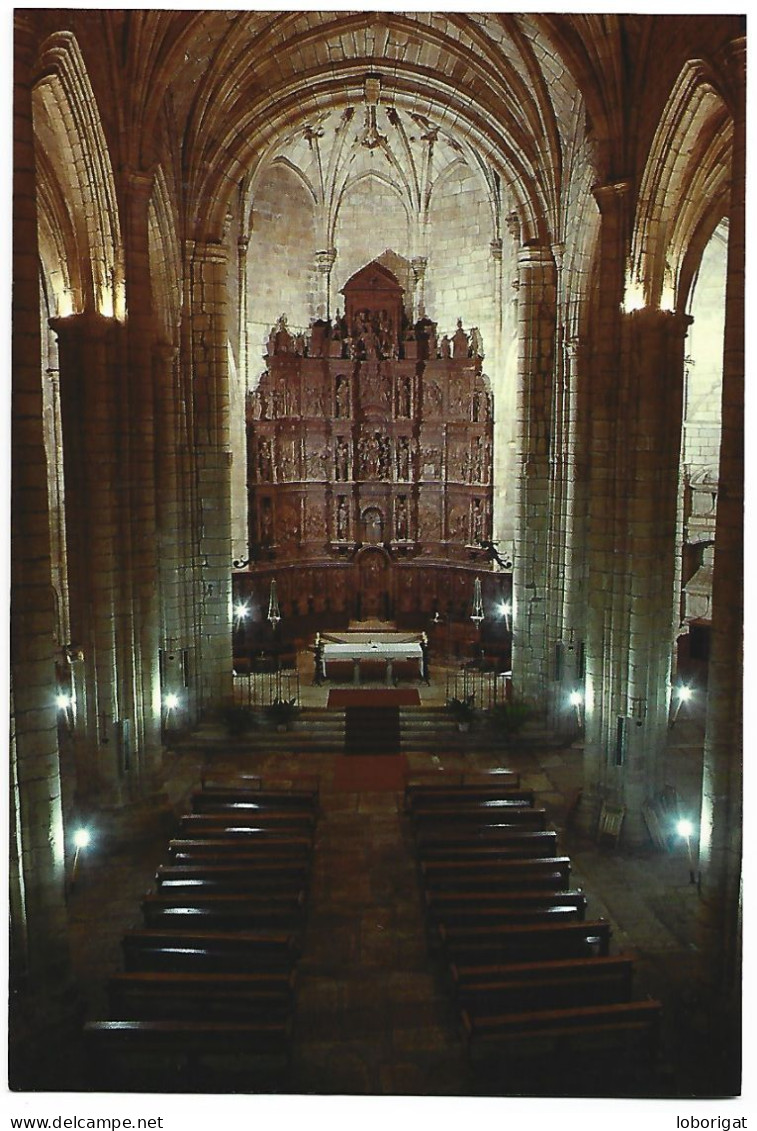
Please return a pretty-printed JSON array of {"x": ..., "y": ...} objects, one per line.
[
  {"x": 209, "y": 978},
  {"x": 272, "y": 849},
  {"x": 259, "y": 825},
  {"x": 224, "y": 910},
  {"x": 493, "y": 875},
  {"x": 634, "y": 1025},
  {"x": 215, "y": 779},
  {"x": 528, "y": 971},
  {"x": 199, "y": 995},
  {"x": 146, "y": 1055},
  {"x": 447, "y": 785},
  {"x": 233, "y": 876},
  {"x": 504, "y": 988},
  {"x": 217, "y": 798}
]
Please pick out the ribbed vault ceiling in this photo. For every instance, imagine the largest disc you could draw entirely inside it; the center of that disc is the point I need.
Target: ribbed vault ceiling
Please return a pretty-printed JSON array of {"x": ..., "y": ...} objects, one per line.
[{"x": 239, "y": 81}]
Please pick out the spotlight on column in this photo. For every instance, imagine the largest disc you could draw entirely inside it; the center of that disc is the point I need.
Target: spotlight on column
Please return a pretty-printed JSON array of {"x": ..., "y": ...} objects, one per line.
[
  {"x": 81, "y": 840},
  {"x": 63, "y": 701},
  {"x": 683, "y": 694},
  {"x": 505, "y": 610},
  {"x": 170, "y": 701},
  {"x": 576, "y": 699},
  {"x": 241, "y": 610},
  {"x": 685, "y": 830}
]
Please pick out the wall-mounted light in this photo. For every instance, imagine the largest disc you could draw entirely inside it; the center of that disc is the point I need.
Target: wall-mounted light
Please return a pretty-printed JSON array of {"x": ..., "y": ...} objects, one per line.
[
  {"x": 505, "y": 610},
  {"x": 241, "y": 610},
  {"x": 81, "y": 840},
  {"x": 685, "y": 830},
  {"x": 170, "y": 701},
  {"x": 65, "y": 705},
  {"x": 576, "y": 699},
  {"x": 682, "y": 694}
]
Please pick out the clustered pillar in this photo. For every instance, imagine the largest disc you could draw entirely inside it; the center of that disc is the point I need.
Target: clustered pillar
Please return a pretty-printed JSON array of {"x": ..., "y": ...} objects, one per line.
[
  {"x": 722, "y": 804},
  {"x": 536, "y": 330},
  {"x": 210, "y": 385},
  {"x": 89, "y": 348},
  {"x": 36, "y": 888}
]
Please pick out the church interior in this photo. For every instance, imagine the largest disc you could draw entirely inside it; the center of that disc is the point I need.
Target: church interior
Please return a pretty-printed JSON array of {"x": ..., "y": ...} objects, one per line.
[{"x": 376, "y": 553}]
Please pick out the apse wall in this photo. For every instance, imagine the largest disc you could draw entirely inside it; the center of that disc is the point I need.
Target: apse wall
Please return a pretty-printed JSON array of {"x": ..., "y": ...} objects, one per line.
[
  {"x": 280, "y": 258},
  {"x": 371, "y": 218},
  {"x": 459, "y": 276},
  {"x": 704, "y": 373}
]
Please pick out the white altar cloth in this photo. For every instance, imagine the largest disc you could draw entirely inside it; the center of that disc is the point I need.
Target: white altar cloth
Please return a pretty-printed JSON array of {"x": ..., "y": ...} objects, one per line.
[{"x": 388, "y": 651}]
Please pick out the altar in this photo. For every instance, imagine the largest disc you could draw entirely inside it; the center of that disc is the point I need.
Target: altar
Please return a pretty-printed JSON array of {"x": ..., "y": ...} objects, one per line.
[{"x": 363, "y": 651}]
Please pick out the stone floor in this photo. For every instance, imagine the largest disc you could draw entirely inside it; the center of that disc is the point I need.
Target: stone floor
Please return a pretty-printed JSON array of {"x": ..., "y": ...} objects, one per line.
[{"x": 372, "y": 1016}]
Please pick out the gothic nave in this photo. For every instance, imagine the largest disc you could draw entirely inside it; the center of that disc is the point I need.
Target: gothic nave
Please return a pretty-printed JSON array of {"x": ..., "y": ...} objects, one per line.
[{"x": 420, "y": 333}]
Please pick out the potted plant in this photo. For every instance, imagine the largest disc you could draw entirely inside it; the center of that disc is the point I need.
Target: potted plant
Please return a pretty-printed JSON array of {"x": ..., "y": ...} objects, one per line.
[
  {"x": 506, "y": 719},
  {"x": 282, "y": 713},
  {"x": 462, "y": 711},
  {"x": 238, "y": 719}
]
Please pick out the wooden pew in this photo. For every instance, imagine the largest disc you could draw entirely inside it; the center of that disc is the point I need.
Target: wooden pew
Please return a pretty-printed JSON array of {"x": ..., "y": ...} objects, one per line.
[
  {"x": 218, "y": 799},
  {"x": 515, "y": 843},
  {"x": 525, "y": 942},
  {"x": 271, "y": 849},
  {"x": 223, "y": 911},
  {"x": 504, "y": 917},
  {"x": 492, "y": 807},
  {"x": 470, "y": 907},
  {"x": 217, "y": 779},
  {"x": 221, "y": 951},
  {"x": 542, "y": 985},
  {"x": 550, "y": 873},
  {"x": 146, "y": 995},
  {"x": 250, "y": 876},
  {"x": 133, "y": 1051},
  {"x": 634, "y": 1023},
  {"x": 484, "y": 822},
  {"x": 282, "y": 822},
  {"x": 430, "y": 794}
]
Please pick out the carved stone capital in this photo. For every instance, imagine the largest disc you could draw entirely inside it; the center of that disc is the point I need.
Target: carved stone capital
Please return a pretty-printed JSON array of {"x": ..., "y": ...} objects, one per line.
[{"x": 324, "y": 260}]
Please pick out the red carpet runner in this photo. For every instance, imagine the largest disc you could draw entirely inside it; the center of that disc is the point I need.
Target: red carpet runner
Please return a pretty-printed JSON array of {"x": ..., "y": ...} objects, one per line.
[
  {"x": 373, "y": 697},
  {"x": 366, "y": 773},
  {"x": 371, "y": 730}
]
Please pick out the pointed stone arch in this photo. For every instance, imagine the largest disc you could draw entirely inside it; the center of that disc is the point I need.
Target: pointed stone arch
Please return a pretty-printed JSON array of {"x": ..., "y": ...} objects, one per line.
[
  {"x": 165, "y": 258},
  {"x": 686, "y": 177},
  {"x": 68, "y": 130}
]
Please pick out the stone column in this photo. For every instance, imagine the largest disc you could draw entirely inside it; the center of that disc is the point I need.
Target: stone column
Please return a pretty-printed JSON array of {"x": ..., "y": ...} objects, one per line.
[
  {"x": 556, "y": 544},
  {"x": 175, "y": 638},
  {"x": 54, "y": 446},
  {"x": 210, "y": 369},
  {"x": 495, "y": 368},
  {"x": 323, "y": 261},
  {"x": 38, "y": 943},
  {"x": 632, "y": 604},
  {"x": 649, "y": 432},
  {"x": 605, "y": 535},
  {"x": 89, "y": 348},
  {"x": 139, "y": 525},
  {"x": 238, "y": 394},
  {"x": 573, "y": 502},
  {"x": 722, "y": 806},
  {"x": 419, "y": 263},
  {"x": 536, "y": 331}
]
